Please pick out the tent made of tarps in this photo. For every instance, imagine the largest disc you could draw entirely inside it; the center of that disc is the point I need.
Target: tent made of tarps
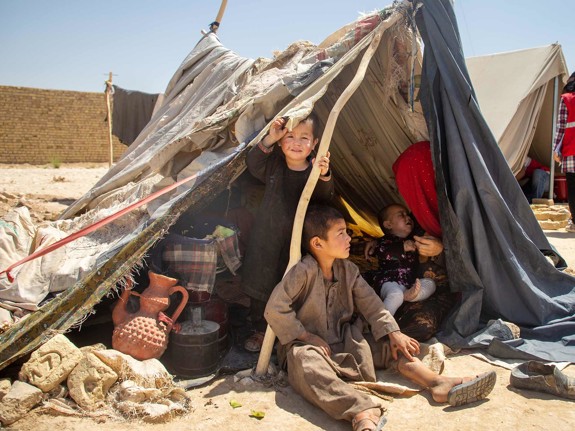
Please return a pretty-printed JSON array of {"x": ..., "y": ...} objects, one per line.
[
  {"x": 219, "y": 104},
  {"x": 515, "y": 91}
]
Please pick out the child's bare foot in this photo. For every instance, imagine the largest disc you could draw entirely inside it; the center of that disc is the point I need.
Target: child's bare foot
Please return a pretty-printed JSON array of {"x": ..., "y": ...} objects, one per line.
[
  {"x": 458, "y": 391},
  {"x": 413, "y": 292}
]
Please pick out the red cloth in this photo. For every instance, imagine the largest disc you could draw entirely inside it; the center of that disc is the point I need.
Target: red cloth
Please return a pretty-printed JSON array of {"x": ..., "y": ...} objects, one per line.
[
  {"x": 534, "y": 164},
  {"x": 415, "y": 179},
  {"x": 568, "y": 148}
]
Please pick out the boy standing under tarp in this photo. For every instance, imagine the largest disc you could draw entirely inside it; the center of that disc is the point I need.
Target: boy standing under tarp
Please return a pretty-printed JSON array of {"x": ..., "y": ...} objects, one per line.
[
  {"x": 317, "y": 312},
  {"x": 283, "y": 162}
]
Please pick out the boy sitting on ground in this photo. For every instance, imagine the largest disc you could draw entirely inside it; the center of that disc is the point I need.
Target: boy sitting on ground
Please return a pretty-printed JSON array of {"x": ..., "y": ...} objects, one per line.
[{"x": 317, "y": 313}]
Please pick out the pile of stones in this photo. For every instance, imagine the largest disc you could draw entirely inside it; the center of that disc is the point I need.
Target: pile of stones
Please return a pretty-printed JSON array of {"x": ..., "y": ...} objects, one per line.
[
  {"x": 551, "y": 217},
  {"x": 91, "y": 380}
]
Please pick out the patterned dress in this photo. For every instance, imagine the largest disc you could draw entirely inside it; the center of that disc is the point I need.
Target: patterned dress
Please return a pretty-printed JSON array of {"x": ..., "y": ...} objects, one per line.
[
  {"x": 420, "y": 320},
  {"x": 395, "y": 264}
]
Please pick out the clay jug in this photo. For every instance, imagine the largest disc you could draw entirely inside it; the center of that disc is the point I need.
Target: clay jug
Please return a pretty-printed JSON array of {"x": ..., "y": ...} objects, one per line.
[{"x": 144, "y": 334}]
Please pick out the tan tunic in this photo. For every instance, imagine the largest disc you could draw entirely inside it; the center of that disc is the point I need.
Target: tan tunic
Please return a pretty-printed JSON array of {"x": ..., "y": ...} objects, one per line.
[{"x": 303, "y": 300}]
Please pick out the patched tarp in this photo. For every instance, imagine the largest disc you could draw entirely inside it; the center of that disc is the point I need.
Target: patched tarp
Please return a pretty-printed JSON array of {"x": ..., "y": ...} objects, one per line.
[{"x": 216, "y": 106}]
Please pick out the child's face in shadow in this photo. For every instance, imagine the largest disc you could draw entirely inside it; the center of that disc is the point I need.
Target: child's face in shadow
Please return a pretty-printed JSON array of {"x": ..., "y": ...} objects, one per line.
[
  {"x": 398, "y": 221},
  {"x": 298, "y": 143}
]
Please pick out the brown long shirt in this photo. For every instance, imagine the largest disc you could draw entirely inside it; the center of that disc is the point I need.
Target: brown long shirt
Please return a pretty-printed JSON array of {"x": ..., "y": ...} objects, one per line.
[{"x": 304, "y": 300}]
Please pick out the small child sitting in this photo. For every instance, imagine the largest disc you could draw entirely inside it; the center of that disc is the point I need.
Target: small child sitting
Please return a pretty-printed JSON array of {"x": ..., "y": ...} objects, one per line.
[
  {"x": 398, "y": 260},
  {"x": 318, "y": 312}
]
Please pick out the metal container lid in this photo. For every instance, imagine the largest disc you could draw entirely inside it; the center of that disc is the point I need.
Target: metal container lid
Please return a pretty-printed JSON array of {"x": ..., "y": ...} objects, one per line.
[{"x": 198, "y": 328}]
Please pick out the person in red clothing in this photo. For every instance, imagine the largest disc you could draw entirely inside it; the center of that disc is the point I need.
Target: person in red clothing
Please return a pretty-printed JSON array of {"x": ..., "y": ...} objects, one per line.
[
  {"x": 537, "y": 176},
  {"x": 564, "y": 144},
  {"x": 415, "y": 179}
]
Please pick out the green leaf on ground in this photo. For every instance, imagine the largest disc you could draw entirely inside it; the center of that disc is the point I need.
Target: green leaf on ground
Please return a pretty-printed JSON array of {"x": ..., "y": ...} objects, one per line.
[
  {"x": 257, "y": 415},
  {"x": 235, "y": 404}
]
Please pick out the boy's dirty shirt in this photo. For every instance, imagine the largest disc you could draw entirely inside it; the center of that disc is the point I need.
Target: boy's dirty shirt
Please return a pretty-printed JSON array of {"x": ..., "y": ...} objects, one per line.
[{"x": 303, "y": 300}]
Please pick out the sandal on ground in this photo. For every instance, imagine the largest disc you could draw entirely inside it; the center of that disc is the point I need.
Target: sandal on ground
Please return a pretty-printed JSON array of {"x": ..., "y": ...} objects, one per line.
[
  {"x": 366, "y": 421},
  {"x": 537, "y": 376},
  {"x": 473, "y": 390},
  {"x": 254, "y": 342}
]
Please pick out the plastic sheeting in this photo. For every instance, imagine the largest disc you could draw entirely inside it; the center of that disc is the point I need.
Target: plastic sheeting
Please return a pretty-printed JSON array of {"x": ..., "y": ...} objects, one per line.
[
  {"x": 491, "y": 237},
  {"x": 216, "y": 102}
]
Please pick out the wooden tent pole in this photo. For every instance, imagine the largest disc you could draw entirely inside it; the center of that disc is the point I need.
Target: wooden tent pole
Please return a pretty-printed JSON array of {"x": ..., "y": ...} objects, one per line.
[
  {"x": 221, "y": 11},
  {"x": 295, "y": 247},
  {"x": 109, "y": 112},
  {"x": 216, "y": 24}
]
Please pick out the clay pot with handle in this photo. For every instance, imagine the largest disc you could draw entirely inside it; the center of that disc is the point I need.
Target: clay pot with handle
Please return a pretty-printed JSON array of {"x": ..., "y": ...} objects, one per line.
[{"x": 145, "y": 333}]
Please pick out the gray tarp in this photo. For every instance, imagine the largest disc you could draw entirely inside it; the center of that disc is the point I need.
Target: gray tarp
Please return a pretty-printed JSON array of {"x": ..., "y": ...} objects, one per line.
[
  {"x": 131, "y": 112},
  {"x": 492, "y": 240}
]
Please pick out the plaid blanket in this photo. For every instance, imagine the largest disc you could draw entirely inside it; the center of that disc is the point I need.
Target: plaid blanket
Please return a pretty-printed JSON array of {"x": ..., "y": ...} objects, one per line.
[
  {"x": 228, "y": 248},
  {"x": 191, "y": 260},
  {"x": 195, "y": 262}
]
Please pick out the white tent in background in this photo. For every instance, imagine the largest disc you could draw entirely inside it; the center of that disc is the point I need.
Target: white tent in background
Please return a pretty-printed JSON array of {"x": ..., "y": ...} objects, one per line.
[{"x": 515, "y": 91}]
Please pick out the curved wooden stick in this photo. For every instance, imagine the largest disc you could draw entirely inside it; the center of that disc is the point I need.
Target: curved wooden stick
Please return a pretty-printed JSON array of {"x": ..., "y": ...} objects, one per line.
[
  {"x": 295, "y": 247},
  {"x": 219, "y": 17}
]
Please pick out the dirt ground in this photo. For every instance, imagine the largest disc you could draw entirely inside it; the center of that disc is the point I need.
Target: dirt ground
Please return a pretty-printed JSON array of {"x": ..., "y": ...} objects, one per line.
[{"x": 47, "y": 191}]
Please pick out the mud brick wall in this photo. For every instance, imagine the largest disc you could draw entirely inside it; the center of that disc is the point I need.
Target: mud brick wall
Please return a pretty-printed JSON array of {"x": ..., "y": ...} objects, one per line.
[{"x": 47, "y": 126}]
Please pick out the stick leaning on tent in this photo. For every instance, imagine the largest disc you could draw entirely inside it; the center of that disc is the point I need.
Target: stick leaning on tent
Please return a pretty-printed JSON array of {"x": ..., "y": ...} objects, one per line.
[{"x": 295, "y": 246}]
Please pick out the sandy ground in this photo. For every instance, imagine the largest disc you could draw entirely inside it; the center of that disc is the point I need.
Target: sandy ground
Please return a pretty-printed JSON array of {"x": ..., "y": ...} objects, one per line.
[{"x": 48, "y": 191}]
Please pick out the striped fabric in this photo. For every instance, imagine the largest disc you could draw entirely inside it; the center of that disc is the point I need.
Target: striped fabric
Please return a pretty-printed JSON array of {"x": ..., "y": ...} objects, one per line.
[
  {"x": 568, "y": 164},
  {"x": 193, "y": 261}
]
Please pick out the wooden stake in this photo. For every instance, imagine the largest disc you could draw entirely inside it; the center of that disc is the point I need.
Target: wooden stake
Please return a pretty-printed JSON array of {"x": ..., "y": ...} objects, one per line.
[
  {"x": 221, "y": 11},
  {"x": 295, "y": 247},
  {"x": 216, "y": 24},
  {"x": 109, "y": 111}
]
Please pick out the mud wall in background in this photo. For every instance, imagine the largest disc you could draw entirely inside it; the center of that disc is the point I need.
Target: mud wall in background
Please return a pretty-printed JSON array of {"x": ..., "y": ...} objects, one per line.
[{"x": 54, "y": 126}]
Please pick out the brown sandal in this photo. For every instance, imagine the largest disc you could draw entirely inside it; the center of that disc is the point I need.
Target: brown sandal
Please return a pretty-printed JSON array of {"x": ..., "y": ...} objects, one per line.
[
  {"x": 254, "y": 342},
  {"x": 366, "y": 421}
]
